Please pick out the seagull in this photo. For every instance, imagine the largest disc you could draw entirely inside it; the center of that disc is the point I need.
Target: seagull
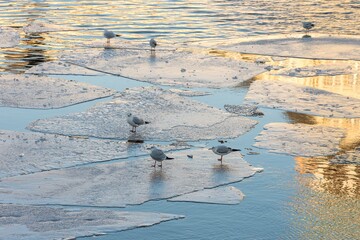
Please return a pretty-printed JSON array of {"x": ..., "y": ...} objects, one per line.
[
  {"x": 110, "y": 34},
  {"x": 158, "y": 155},
  {"x": 135, "y": 122},
  {"x": 153, "y": 44},
  {"x": 308, "y": 25},
  {"x": 223, "y": 150}
]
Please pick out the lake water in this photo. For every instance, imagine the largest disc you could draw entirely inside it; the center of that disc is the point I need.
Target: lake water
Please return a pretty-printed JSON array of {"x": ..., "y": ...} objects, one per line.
[{"x": 295, "y": 197}]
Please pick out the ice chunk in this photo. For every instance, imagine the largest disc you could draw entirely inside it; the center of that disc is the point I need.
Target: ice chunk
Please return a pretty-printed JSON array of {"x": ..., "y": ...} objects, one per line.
[
  {"x": 296, "y": 98},
  {"x": 43, "y": 223},
  {"x": 223, "y": 195},
  {"x": 9, "y": 37},
  {"x": 188, "y": 93},
  {"x": 244, "y": 110},
  {"x": 321, "y": 47},
  {"x": 171, "y": 117},
  {"x": 34, "y": 152},
  {"x": 127, "y": 182},
  {"x": 300, "y": 139},
  {"x": 32, "y": 91},
  {"x": 164, "y": 67},
  {"x": 42, "y": 26}
]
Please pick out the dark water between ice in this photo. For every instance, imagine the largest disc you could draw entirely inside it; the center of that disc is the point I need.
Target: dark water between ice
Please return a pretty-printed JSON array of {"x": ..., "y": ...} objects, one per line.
[{"x": 285, "y": 201}]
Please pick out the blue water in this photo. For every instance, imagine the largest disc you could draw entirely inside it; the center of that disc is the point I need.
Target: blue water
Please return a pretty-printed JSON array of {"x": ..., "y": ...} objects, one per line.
[{"x": 282, "y": 202}]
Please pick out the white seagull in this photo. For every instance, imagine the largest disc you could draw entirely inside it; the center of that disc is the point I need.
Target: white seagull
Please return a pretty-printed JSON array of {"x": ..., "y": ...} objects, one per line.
[
  {"x": 153, "y": 44},
  {"x": 223, "y": 150},
  {"x": 158, "y": 155},
  {"x": 110, "y": 34},
  {"x": 135, "y": 122},
  {"x": 308, "y": 25}
]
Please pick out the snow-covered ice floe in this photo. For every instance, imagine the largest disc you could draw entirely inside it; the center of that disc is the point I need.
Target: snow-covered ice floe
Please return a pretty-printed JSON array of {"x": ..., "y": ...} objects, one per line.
[
  {"x": 42, "y": 27},
  {"x": 300, "y": 139},
  {"x": 43, "y": 223},
  {"x": 35, "y": 152},
  {"x": 222, "y": 195},
  {"x": 297, "y": 98},
  {"x": 32, "y": 91},
  {"x": 171, "y": 117},
  {"x": 244, "y": 110},
  {"x": 9, "y": 37},
  {"x": 317, "y": 47},
  {"x": 128, "y": 182},
  {"x": 174, "y": 68}
]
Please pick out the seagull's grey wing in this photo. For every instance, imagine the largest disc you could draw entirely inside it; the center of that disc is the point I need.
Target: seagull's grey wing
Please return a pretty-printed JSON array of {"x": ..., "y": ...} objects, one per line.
[
  {"x": 138, "y": 121},
  {"x": 158, "y": 154},
  {"x": 223, "y": 149}
]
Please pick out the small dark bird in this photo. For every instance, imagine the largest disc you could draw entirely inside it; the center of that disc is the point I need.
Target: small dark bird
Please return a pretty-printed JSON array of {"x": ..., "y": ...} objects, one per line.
[
  {"x": 158, "y": 155},
  {"x": 223, "y": 150},
  {"x": 308, "y": 26},
  {"x": 135, "y": 122},
  {"x": 153, "y": 44}
]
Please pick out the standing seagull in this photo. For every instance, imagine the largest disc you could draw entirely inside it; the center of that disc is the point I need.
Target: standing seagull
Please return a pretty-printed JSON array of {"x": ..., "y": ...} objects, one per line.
[
  {"x": 308, "y": 26},
  {"x": 110, "y": 34},
  {"x": 158, "y": 155},
  {"x": 153, "y": 44},
  {"x": 223, "y": 150},
  {"x": 135, "y": 122}
]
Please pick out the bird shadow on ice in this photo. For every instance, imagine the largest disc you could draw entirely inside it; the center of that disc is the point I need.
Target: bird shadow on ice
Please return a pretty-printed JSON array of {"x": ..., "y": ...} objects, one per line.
[
  {"x": 157, "y": 183},
  {"x": 220, "y": 172}
]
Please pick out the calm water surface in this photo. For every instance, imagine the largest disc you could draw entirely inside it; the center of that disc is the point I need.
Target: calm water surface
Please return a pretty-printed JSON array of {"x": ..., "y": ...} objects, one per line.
[{"x": 295, "y": 197}]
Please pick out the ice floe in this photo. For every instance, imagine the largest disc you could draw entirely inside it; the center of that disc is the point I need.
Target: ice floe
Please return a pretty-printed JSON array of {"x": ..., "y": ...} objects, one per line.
[
  {"x": 162, "y": 67},
  {"x": 188, "y": 93},
  {"x": 32, "y": 91},
  {"x": 222, "y": 195},
  {"x": 9, "y": 37},
  {"x": 320, "y": 70},
  {"x": 41, "y": 27},
  {"x": 43, "y": 223},
  {"x": 127, "y": 182},
  {"x": 300, "y": 139},
  {"x": 244, "y": 110},
  {"x": 171, "y": 117},
  {"x": 35, "y": 152},
  {"x": 296, "y": 98},
  {"x": 60, "y": 68},
  {"x": 317, "y": 47}
]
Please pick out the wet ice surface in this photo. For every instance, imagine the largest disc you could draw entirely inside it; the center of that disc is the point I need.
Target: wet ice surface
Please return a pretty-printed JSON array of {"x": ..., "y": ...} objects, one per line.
[
  {"x": 296, "y": 98},
  {"x": 222, "y": 195},
  {"x": 300, "y": 139},
  {"x": 33, "y": 91},
  {"x": 244, "y": 110},
  {"x": 317, "y": 47},
  {"x": 37, "y": 223},
  {"x": 35, "y": 152},
  {"x": 136, "y": 181},
  {"x": 60, "y": 68},
  {"x": 9, "y": 37},
  {"x": 42, "y": 26},
  {"x": 321, "y": 70},
  {"x": 171, "y": 117},
  {"x": 162, "y": 67}
]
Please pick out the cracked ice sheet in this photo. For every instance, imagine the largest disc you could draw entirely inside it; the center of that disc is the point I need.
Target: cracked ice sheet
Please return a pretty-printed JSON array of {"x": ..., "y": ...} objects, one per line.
[
  {"x": 35, "y": 152},
  {"x": 41, "y": 27},
  {"x": 9, "y": 37},
  {"x": 60, "y": 68},
  {"x": 129, "y": 182},
  {"x": 43, "y": 223},
  {"x": 300, "y": 139},
  {"x": 171, "y": 117},
  {"x": 296, "y": 98},
  {"x": 172, "y": 68},
  {"x": 32, "y": 91},
  {"x": 320, "y": 47},
  {"x": 222, "y": 195}
]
